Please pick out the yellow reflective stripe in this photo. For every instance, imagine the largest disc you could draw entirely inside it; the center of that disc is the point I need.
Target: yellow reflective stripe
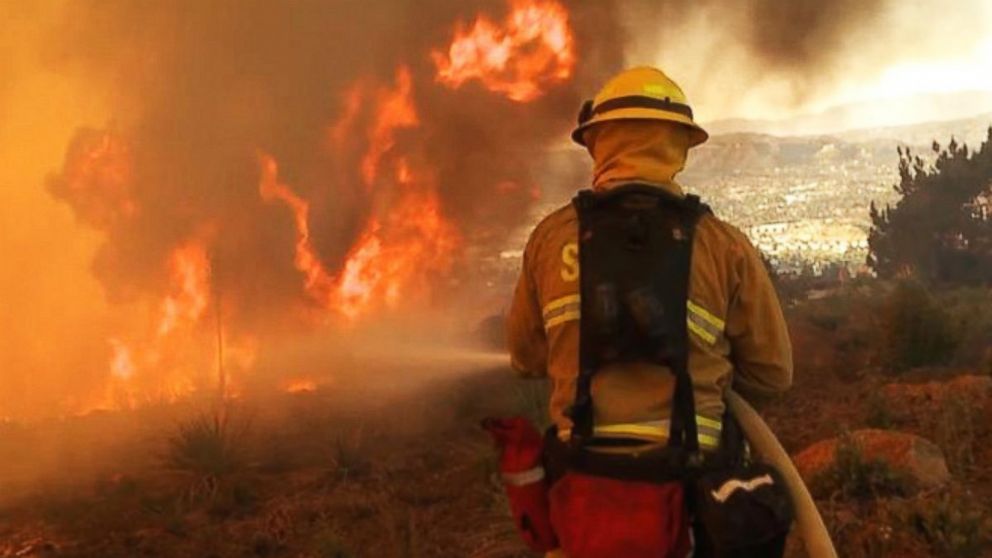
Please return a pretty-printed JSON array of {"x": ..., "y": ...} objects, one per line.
[
  {"x": 659, "y": 430},
  {"x": 707, "y": 440},
  {"x": 562, "y": 318},
  {"x": 560, "y": 302},
  {"x": 705, "y": 315},
  {"x": 706, "y": 421},
  {"x": 704, "y": 324},
  {"x": 634, "y": 429},
  {"x": 561, "y": 310},
  {"x": 698, "y": 330},
  {"x": 659, "y": 89}
]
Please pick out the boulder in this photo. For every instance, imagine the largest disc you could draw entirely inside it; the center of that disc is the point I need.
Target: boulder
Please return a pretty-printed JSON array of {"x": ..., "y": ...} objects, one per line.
[{"x": 917, "y": 457}]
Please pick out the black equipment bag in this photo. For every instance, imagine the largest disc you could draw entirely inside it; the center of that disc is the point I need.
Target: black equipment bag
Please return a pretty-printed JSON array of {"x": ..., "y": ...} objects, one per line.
[{"x": 742, "y": 508}]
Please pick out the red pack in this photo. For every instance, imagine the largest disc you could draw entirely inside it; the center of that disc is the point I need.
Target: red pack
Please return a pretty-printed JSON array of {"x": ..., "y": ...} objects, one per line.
[
  {"x": 596, "y": 517},
  {"x": 521, "y": 448}
]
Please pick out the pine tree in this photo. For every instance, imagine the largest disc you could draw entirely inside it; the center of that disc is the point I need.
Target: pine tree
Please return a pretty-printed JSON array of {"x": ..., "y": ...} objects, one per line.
[{"x": 941, "y": 227}]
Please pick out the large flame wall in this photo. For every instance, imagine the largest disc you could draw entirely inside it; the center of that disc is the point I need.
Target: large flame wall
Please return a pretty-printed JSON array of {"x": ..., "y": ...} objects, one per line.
[{"x": 265, "y": 169}]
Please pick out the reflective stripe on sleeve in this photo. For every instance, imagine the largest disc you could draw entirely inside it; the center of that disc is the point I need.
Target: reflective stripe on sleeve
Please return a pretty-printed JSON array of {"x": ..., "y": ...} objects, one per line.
[
  {"x": 705, "y": 325},
  {"x": 708, "y": 422},
  {"x": 561, "y": 310},
  {"x": 524, "y": 478},
  {"x": 701, "y": 332}
]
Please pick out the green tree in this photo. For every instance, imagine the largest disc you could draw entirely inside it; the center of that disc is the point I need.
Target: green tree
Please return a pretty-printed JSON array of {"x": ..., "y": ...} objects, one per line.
[{"x": 941, "y": 227}]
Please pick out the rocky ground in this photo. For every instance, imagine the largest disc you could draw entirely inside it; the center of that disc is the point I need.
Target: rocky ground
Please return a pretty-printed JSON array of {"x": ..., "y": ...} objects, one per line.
[{"x": 900, "y": 465}]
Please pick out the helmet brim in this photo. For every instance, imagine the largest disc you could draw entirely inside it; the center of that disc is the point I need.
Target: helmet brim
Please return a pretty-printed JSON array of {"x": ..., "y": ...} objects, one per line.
[{"x": 697, "y": 134}]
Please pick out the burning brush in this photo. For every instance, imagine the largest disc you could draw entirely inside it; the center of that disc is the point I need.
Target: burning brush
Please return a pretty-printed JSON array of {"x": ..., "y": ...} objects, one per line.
[{"x": 382, "y": 182}]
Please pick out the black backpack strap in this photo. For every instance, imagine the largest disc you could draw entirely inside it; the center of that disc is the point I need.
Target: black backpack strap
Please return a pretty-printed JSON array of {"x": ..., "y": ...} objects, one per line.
[
  {"x": 683, "y": 428},
  {"x": 675, "y": 352}
]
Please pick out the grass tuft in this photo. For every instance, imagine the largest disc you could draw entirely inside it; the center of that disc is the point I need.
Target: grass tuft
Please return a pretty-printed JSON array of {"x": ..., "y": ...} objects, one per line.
[
  {"x": 954, "y": 524},
  {"x": 956, "y": 432},
  {"x": 208, "y": 450},
  {"x": 855, "y": 476}
]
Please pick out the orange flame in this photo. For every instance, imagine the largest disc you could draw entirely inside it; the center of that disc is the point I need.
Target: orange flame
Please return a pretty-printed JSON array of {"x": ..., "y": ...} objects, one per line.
[
  {"x": 353, "y": 101},
  {"x": 395, "y": 111},
  {"x": 122, "y": 361},
  {"x": 531, "y": 50},
  {"x": 404, "y": 246},
  {"x": 189, "y": 268},
  {"x": 405, "y": 241},
  {"x": 141, "y": 370},
  {"x": 317, "y": 282},
  {"x": 394, "y": 259}
]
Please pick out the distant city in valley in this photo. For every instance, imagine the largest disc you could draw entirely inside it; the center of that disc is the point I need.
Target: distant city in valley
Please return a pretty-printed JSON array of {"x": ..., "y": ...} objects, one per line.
[{"x": 803, "y": 200}]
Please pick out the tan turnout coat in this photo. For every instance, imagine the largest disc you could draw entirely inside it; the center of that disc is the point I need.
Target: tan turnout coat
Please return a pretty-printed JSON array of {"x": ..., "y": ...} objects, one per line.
[{"x": 737, "y": 331}]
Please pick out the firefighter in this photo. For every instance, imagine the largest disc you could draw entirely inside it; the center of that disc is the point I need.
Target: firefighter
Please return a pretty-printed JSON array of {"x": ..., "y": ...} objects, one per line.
[{"x": 611, "y": 394}]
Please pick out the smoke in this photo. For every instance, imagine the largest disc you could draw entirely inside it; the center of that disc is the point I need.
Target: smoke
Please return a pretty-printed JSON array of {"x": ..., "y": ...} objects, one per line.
[
  {"x": 165, "y": 186},
  {"x": 766, "y": 58},
  {"x": 200, "y": 88}
]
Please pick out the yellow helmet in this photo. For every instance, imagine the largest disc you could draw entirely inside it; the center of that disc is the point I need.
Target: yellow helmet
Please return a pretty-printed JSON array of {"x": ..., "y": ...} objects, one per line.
[{"x": 639, "y": 94}]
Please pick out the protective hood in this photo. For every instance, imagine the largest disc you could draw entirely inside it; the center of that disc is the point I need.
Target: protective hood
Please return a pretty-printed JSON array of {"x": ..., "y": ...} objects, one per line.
[{"x": 643, "y": 150}]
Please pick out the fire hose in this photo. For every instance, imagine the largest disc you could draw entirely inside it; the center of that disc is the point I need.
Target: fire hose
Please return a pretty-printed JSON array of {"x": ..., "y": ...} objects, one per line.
[{"x": 764, "y": 443}]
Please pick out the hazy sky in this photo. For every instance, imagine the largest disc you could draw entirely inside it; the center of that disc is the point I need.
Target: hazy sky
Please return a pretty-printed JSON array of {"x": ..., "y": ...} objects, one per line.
[{"x": 892, "y": 49}]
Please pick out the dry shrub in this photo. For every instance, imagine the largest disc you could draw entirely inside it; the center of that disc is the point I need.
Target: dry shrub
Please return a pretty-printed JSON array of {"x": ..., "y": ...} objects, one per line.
[
  {"x": 208, "y": 450},
  {"x": 328, "y": 543},
  {"x": 917, "y": 330},
  {"x": 878, "y": 412},
  {"x": 956, "y": 432},
  {"x": 854, "y": 476},
  {"x": 350, "y": 454},
  {"x": 970, "y": 312},
  {"x": 954, "y": 523}
]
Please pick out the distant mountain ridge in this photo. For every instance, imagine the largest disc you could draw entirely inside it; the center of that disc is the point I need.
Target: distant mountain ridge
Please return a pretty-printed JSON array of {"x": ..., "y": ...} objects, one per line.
[
  {"x": 753, "y": 151},
  {"x": 869, "y": 115}
]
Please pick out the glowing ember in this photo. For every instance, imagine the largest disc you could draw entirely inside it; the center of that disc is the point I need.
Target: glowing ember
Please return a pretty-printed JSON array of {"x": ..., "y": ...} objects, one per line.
[
  {"x": 530, "y": 51},
  {"x": 300, "y": 385},
  {"x": 121, "y": 363}
]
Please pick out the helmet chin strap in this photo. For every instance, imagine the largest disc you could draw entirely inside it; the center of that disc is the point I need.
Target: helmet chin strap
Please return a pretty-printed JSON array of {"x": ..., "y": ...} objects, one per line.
[{"x": 586, "y": 112}]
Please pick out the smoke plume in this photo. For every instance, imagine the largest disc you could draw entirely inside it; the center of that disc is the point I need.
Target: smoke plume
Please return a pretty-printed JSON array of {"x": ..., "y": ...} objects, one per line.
[{"x": 769, "y": 58}]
